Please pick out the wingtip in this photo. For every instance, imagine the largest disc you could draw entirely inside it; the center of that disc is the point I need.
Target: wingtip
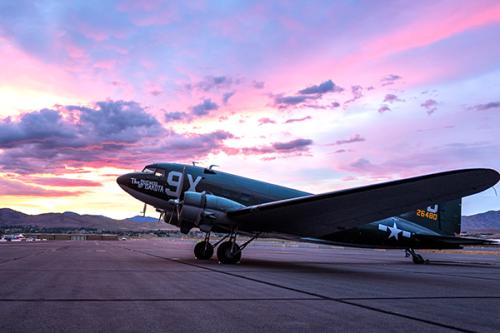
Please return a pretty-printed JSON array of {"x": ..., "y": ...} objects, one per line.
[
  {"x": 492, "y": 175},
  {"x": 489, "y": 177}
]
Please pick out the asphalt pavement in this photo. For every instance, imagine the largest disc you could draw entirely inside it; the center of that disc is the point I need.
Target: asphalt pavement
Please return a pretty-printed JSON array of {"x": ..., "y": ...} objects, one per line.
[{"x": 157, "y": 286}]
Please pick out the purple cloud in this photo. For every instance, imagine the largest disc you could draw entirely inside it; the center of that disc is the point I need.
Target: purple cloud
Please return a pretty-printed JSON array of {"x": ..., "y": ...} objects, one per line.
[
  {"x": 284, "y": 101},
  {"x": 390, "y": 79},
  {"x": 227, "y": 96},
  {"x": 363, "y": 164},
  {"x": 282, "y": 149},
  {"x": 357, "y": 93},
  {"x": 204, "y": 108},
  {"x": 310, "y": 93},
  {"x": 258, "y": 84},
  {"x": 353, "y": 139},
  {"x": 297, "y": 144},
  {"x": 384, "y": 108},
  {"x": 322, "y": 88},
  {"x": 216, "y": 82},
  {"x": 112, "y": 133},
  {"x": 484, "y": 107},
  {"x": 294, "y": 120},
  {"x": 266, "y": 120},
  {"x": 16, "y": 188},
  {"x": 63, "y": 182},
  {"x": 430, "y": 105},
  {"x": 177, "y": 116},
  {"x": 193, "y": 145},
  {"x": 391, "y": 98}
]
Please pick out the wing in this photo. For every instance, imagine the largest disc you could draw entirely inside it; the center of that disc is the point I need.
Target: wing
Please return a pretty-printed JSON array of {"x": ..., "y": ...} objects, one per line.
[{"x": 321, "y": 214}]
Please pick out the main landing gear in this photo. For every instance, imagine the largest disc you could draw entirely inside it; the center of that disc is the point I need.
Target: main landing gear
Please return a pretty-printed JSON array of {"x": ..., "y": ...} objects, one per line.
[
  {"x": 417, "y": 258},
  {"x": 228, "y": 252}
]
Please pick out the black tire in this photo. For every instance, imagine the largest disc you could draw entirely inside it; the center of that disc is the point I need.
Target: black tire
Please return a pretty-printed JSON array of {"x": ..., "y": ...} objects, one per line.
[
  {"x": 229, "y": 254},
  {"x": 203, "y": 250}
]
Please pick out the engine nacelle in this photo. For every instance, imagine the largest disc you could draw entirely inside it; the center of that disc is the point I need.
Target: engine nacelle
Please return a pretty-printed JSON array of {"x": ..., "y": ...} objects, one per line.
[{"x": 204, "y": 209}]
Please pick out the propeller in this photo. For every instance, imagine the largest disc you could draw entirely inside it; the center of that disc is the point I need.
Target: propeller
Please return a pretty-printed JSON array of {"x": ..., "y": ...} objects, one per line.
[
  {"x": 181, "y": 183},
  {"x": 179, "y": 201},
  {"x": 144, "y": 210},
  {"x": 161, "y": 216}
]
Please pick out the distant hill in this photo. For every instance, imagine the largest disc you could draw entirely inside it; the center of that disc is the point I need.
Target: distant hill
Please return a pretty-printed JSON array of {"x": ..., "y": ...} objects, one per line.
[
  {"x": 489, "y": 221},
  {"x": 10, "y": 217},
  {"x": 142, "y": 219}
]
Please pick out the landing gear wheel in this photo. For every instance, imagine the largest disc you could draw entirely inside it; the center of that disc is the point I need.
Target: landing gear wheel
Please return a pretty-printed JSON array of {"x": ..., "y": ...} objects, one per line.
[
  {"x": 203, "y": 250},
  {"x": 418, "y": 259},
  {"x": 229, "y": 253}
]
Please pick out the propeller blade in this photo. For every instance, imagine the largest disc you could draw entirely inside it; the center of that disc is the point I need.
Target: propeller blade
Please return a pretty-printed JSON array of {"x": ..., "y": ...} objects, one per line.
[
  {"x": 161, "y": 216},
  {"x": 171, "y": 217},
  {"x": 144, "y": 210},
  {"x": 181, "y": 185},
  {"x": 178, "y": 208}
]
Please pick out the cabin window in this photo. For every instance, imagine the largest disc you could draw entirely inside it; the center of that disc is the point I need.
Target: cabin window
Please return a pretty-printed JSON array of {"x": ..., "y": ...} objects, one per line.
[
  {"x": 148, "y": 170},
  {"x": 160, "y": 173}
]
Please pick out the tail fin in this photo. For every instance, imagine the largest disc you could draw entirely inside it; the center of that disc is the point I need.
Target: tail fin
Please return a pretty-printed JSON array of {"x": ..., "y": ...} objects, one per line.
[{"x": 443, "y": 218}]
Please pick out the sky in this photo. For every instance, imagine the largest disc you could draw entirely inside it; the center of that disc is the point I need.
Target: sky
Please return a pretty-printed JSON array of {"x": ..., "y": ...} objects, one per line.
[{"x": 314, "y": 95}]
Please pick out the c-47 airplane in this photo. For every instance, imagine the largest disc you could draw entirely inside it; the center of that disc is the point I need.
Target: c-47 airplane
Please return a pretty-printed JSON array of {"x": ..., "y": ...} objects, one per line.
[{"x": 414, "y": 213}]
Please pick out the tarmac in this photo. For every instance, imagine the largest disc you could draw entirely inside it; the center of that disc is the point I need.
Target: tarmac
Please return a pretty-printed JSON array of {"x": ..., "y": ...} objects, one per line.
[{"x": 157, "y": 286}]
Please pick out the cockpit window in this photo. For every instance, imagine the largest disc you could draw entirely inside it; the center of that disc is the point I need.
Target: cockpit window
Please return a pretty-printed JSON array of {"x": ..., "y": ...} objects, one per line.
[
  {"x": 160, "y": 173},
  {"x": 148, "y": 170}
]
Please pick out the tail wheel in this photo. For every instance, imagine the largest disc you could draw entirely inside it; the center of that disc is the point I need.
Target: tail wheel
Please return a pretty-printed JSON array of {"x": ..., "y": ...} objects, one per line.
[
  {"x": 203, "y": 250},
  {"x": 229, "y": 253},
  {"x": 418, "y": 259}
]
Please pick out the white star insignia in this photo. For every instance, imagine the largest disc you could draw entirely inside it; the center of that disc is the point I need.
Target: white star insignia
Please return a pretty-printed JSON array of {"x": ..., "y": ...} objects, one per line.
[{"x": 394, "y": 231}]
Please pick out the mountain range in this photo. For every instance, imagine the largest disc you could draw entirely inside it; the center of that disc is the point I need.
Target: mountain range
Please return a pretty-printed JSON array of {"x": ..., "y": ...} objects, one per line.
[
  {"x": 10, "y": 217},
  {"x": 483, "y": 222}
]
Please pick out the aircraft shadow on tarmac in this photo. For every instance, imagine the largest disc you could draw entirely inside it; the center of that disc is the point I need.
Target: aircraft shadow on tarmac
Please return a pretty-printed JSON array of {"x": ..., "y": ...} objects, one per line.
[{"x": 330, "y": 267}]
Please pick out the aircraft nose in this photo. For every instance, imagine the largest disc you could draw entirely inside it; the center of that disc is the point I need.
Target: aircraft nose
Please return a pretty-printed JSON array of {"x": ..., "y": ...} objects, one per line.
[{"x": 123, "y": 180}]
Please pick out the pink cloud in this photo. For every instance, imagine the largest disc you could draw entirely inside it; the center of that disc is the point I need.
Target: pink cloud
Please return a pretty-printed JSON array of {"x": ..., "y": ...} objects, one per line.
[
  {"x": 16, "y": 188},
  {"x": 63, "y": 182},
  {"x": 437, "y": 24}
]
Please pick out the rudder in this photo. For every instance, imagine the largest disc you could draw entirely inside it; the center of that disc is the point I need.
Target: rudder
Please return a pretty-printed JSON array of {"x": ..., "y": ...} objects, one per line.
[{"x": 444, "y": 218}]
